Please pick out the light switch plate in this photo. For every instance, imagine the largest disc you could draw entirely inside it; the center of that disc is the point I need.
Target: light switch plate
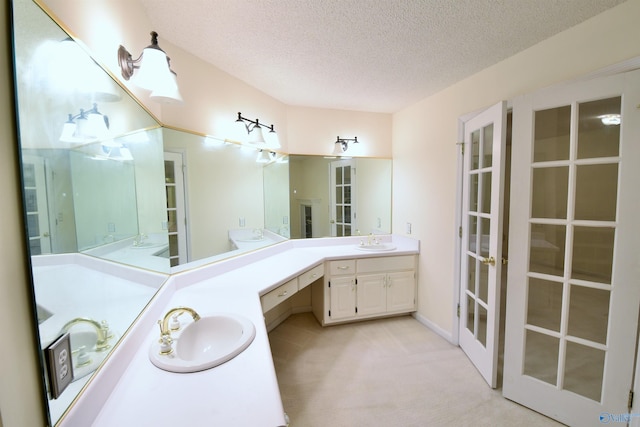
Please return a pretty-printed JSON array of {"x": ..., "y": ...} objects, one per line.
[{"x": 59, "y": 364}]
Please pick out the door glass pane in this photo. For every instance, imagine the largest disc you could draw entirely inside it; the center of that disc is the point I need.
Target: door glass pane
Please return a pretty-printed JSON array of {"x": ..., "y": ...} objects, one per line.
[
  {"x": 33, "y": 225},
  {"x": 475, "y": 150},
  {"x": 339, "y": 231},
  {"x": 482, "y": 325},
  {"x": 173, "y": 245},
  {"x": 547, "y": 249},
  {"x": 483, "y": 282},
  {"x": 593, "y": 253},
  {"x": 544, "y": 304},
  {"x": 169, "y": 172},
  {"x": 29, "y": 174},
  {"x": 473, "y": 192},
  {"x": 541, "y": 357},
  {"x": 596, "y": 192},
  {"x": 172, "y": 222},
  {"x": 347, "y": 214},
  {"x": 485, "y": 179},
  {"x": 471, "y": 310},
  {"x": 338, "y": 194},
  {"x": 347, "y": 230},
  {"x": 347, "y": 194},
  {"x": 584, "y": 370},
  {"x": 338, "y": 176},
  {"x": 487, "y": 146},
  {"x": 31, "y": 200},
  {"x": 551, "y": 134},
  {"x": 589, "y": 313},
  {"x": 473, "y": 233},
  {"x": 595, "y": 137},
  {"x": 549, "y": 192},
  {"x": 339, "y": 214},
  {"x": 471, "y": 269},
  {"x": 171, "y": 196},
  {"x": 347, "y": 175},
  {"x": 485, "y": 228},
  {"x": 35, "y": 247}
]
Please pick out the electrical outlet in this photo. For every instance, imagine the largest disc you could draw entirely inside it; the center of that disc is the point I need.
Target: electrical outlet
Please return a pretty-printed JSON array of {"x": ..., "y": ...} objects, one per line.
[
  {"x": 241, "y": 221},
  {"x": 408, "y": 228},
  {"x": 59, "y": 362},
  {"x": 111, "y": 227}
]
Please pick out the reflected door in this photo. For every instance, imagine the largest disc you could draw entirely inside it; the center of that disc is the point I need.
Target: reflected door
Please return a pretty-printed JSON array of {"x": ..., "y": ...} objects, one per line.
[
  {"x": 572, "y": 302},
  {"x": 176, "y": 209},
  {"x": 36, "y": 208},
  {"x": 343, "y": 191},
  {"x": 483, "y": 186}
]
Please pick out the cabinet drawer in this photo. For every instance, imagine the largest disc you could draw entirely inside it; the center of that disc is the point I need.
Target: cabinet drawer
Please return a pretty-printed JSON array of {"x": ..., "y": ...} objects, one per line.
[
  {"x": 390, "y": 263},
  {"x": 279, "y": 294},
  {"x": 346, "y": 266},
  {"x": 310, "y": 276}
]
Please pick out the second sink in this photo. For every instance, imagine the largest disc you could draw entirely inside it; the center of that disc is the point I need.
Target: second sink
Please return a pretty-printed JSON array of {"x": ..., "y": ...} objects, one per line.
[{"x": 203, "y": 344}]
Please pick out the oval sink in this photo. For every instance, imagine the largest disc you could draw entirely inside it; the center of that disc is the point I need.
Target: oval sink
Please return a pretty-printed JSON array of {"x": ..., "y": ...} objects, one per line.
[
  {"x": 378, "y": 247},
  {"x": 206, "y": 343}
]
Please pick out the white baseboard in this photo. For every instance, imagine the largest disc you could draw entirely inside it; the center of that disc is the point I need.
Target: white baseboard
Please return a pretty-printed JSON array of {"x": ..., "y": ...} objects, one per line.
[{"x": 435, "y": 328}]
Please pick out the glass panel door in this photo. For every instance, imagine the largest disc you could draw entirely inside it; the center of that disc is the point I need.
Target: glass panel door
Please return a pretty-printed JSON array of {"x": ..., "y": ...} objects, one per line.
[
  {"x": 343, "y": 211},
  {"x": 485, "y": 137},
  {"x": 570, "y": 349}
]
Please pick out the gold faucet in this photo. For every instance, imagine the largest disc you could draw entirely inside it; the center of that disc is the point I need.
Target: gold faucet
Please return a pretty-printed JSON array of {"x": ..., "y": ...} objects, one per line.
[
  {"x": 101, "y": 331},
  {"x": 164, "y": 323}
]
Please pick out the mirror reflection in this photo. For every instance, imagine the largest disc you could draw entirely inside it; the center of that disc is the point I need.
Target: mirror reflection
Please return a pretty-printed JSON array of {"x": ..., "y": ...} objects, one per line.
[
  {"x": 103, "y": 180},
  {"x": 332, "y": 197}
]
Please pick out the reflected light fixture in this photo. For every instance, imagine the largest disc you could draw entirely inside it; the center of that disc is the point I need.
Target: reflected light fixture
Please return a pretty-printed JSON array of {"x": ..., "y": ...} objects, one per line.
[
  {"x": 610, "y": 119},
  {"x": 86, "y": 126},
  {"x": 342, "y": 144},
  {"x": 265, "y": 156},
  {"x": 254, "y": 129},
  {"x": 154, "y": 72}
]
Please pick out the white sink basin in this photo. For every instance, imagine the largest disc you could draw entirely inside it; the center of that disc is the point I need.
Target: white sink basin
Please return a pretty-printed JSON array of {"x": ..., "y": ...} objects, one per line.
[
  {"x": 205, "y": 343},
  {"x": 377, "y": 247}
]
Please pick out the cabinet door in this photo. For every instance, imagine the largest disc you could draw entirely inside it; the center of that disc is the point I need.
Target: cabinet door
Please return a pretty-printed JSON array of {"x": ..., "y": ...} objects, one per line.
[
  {"x": 342, "y": 294},
  {"x": 372, "y": 294},
  {"x": 401, "y": 291}
]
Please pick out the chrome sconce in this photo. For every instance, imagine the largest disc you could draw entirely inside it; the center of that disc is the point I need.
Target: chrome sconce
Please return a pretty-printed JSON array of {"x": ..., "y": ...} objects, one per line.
[
  {"x": 342, "y": 144},
  {"x": 86, "y": 126},
  {"x": 154, "y": 71},
  {"x": 254, "y": 129}
]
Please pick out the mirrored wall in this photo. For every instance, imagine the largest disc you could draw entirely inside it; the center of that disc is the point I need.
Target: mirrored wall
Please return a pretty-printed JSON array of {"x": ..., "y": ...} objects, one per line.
[{"x": 104, "y": 179}]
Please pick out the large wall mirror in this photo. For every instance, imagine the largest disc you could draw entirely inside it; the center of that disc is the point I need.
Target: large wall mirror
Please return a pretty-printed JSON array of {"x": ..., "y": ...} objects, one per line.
[{"x": 104, "y": 179}]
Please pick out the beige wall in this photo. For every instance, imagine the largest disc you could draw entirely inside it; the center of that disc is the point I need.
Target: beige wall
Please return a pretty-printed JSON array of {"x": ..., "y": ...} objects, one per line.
[
  {"x": 425, "y": 136},
  {"x": 20, "y": 389},
  {"x": 212, "y": 98}
]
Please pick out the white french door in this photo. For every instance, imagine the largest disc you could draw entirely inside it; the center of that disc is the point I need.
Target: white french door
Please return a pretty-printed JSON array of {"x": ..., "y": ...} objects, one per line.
[
  {"x": 481, "y": 253},
  {"x": 574, "y": 290},
  {"x": 176, "y": 208},
  {"x": 36, "y": 207},
  {"x": 343, "y": 198}
]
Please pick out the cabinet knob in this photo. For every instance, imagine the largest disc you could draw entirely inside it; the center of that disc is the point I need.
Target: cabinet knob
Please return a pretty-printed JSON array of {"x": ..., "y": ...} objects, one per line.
[{"x": 283, "y": 294}]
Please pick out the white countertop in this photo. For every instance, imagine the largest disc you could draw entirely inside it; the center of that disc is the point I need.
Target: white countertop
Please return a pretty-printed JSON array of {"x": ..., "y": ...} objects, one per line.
[{"x": 129, "y": 390}]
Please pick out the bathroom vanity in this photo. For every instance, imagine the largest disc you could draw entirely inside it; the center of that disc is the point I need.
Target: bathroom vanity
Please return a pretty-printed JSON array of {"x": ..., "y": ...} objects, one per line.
[{"x": 130, "y": 390}]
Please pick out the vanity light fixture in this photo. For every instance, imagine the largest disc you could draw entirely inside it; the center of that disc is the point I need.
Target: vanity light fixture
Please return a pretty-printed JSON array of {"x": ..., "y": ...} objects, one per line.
[
  {"x": 86, "y": 126},
  {"x": 342, "y": 144},
  {"x": 255, "y": 128},
  {"x": 154, "y": 71}
]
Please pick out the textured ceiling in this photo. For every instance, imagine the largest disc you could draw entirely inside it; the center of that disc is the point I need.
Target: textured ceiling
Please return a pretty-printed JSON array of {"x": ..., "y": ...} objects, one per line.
[{"x": 367, "y": 55}]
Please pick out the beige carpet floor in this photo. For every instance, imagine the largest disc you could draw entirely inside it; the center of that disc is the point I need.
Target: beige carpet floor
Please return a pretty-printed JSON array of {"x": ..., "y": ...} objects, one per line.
[{"x": 387, "y": 372}]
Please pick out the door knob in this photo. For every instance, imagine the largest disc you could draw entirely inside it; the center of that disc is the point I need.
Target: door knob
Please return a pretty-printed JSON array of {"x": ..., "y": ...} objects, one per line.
[
  {"x": 46, "y": 234},
  {"x": 489, "y": 261}
]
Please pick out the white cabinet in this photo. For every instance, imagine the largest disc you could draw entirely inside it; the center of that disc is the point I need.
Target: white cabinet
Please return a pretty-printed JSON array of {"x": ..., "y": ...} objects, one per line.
[
  {"x": 283, "y": 292},
  {"x": 365, "y": 288}
]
